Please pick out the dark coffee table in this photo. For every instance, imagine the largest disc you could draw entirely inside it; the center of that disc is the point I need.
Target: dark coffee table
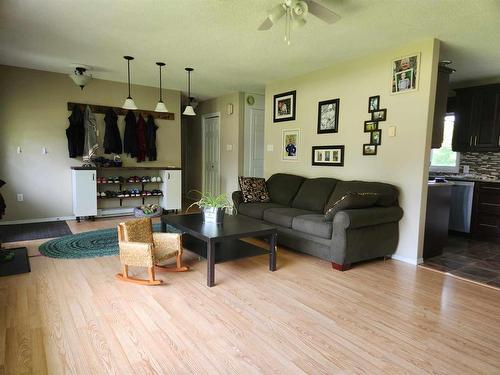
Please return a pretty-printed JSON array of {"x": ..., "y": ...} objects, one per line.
[{"x": 221, "y": 242}]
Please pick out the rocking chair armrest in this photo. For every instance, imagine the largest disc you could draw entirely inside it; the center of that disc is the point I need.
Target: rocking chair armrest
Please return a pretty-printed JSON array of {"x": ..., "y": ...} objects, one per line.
[
  {"x": 137, "y": 254},
  {"x": 167, "y": 242}
]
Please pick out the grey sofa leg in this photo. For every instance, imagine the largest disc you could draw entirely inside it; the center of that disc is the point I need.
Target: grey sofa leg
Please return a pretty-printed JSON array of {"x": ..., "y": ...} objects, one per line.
[{"x": 341, "y": 267}]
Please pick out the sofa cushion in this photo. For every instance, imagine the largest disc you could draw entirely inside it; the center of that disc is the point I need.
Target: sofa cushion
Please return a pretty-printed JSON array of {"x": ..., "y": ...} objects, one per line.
[
  {"x": 253, "y": 189},
  {"x": 351, "y": 201},
  {"x": 314, "y": 193},
  {"x": 256, "y": 210},
  {"x": 283, "y": 187},
  {"x": 388, "y": 193},
  {"x": 283, "y": 216},
  {"x": 314, "y": 224}
]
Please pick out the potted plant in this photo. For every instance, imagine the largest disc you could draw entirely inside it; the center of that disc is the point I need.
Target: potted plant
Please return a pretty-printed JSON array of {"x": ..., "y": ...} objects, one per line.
[{"x": 212, "y": 206}]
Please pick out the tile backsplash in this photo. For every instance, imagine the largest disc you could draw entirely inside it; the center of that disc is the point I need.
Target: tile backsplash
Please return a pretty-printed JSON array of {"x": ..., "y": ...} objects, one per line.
[{"x": 481, "y": 163}]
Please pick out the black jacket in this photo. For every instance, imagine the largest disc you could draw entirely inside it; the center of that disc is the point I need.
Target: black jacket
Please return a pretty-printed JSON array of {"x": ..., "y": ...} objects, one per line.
[
  {"x": 112, "y": 139},
  {"x": 151, "y": 138},
  {"x": 75, "y": 133},
  {"x": 2, "y": 201},
  {"x": 130, "y": 135}
]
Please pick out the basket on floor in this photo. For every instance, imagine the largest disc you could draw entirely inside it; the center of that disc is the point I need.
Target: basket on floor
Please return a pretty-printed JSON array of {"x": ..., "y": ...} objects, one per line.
[{"x": 138, "y": 212}]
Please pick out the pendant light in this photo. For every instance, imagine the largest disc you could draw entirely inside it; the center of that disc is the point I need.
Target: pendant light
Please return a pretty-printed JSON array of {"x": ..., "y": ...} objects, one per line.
[
  {"x": 129, "y": 102},
  {"x": 160, "y": 107},
  {"x": 189, "y": 111}
]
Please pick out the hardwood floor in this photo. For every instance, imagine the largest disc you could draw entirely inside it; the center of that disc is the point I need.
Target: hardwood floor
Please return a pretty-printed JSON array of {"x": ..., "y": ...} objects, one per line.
[{"x": 72, "y": 316}]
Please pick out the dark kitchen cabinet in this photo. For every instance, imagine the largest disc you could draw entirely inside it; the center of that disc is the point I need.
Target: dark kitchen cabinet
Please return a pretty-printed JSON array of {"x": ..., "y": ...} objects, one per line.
[
  {"x": 486, "y": 211},
  {"x": 477, "y": 119},
  {"x": 440, "y": 105}
]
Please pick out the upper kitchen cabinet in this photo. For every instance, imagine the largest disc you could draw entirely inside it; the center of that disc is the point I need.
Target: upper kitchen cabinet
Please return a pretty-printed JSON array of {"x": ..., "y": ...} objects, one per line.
[
  {"x": 440, "y": 106},
  {"x": 477, "y": 119}
]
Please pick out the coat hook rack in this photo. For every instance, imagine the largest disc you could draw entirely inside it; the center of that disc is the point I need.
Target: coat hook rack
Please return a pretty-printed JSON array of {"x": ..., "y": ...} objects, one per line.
[{"x": 122, "y": 112}]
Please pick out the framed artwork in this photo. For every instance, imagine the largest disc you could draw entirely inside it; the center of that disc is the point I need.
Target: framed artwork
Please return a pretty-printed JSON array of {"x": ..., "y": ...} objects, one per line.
[
  {"x": 373, "y": 103},
  {"x": 369, "y": 149},
  {"x": 290, "y": 145},
  {"x": 379, "y": 115},
  {"x": 284, "y": 106},
  {"x": 371, "y": 126},
  {"x": 405, "y": 72},
  {"x": 328, "y": 116},
  {"x": 332, "y": 156},
  {"x": 376, "y": 137}
]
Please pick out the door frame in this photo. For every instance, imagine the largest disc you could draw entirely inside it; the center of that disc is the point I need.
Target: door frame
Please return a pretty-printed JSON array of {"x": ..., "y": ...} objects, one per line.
[{"x": 203, "y": 120}]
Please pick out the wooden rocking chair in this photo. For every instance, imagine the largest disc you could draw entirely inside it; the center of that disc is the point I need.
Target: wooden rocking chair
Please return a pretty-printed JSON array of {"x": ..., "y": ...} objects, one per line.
[{"x": 141, "y": 247}]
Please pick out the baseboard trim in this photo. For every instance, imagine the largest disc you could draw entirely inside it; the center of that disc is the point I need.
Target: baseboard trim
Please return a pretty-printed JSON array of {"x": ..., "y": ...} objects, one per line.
[
  {"x": 415, "y": 262},
  {"x": 39, "y": 220}
]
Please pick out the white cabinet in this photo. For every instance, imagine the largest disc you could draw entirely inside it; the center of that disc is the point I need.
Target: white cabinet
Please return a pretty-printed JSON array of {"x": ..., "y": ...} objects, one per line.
[
  {"x": 84, "y": 192},
  {"x": 172, "y": 189}
]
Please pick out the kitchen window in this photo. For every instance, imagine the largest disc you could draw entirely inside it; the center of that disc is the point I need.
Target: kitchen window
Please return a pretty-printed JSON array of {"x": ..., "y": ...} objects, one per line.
[{"x": 444, "y": 159}]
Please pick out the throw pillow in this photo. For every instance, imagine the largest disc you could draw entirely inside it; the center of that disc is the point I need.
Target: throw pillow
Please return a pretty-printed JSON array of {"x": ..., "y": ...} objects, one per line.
[
  {"x": 253, "y": 189},
  {"x": 350, "y": 201}
]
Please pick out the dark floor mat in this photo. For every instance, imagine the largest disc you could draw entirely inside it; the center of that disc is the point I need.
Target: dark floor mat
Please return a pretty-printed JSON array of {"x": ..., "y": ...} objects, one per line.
[
  {"x": 33, "y": 231},
  {"x": 19, "y": 264}
]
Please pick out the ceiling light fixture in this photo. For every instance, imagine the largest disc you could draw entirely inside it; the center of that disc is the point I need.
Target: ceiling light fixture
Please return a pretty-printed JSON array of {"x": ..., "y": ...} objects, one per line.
[
  {"x": 160, "y": 107},
  {"x": 129, "y": 102},
  {"x": 80, "y": 77},
  {"x": 189, "y": 111}
]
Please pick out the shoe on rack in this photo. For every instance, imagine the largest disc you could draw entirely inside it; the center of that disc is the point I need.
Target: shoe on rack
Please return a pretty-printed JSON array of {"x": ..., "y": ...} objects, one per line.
[{"x": 158, "y": 179}]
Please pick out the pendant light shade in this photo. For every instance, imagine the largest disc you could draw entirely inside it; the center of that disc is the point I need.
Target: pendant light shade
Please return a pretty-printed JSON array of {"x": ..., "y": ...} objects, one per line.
[
  {"x": 189, "y": 111},
  {"x": 129, "y": 102},
  {"x": 161, "y": 107}
]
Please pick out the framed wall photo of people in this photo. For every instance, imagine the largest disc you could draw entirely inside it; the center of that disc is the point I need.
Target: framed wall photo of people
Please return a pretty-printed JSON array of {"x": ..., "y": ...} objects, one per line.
[
  {"x": 405, "y": 72},
  {"x": 369, "y": 149},
  {"x": 284, "y": 106},
  {"x": 380, "y": 115},
  {"x": 290, "y": 145},
  {"x": 376, "y": 137},
  {"x": 332, "y": 156},
  {"x": 373, "y": 103},
  {"x": 371, "y": 126},
  {"x": 328, "y": 116}
]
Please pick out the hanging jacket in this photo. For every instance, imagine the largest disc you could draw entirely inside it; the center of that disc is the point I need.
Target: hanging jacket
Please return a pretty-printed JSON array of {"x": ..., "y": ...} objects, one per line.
[
  {"x": 141, "y": 139},
  {"x": 75, "y": 133},
  {"x": 112, "y": 139},
  {"x": 130, "y": 135},
  {"x": 90, "y": 146},
  {"x": 151, "y": 138},
  {"x": 2, "y": 201}
]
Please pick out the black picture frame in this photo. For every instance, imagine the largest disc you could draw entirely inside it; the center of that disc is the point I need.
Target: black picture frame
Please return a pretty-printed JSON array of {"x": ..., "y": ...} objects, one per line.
[
  {"x": 367, "y": 123},
  {"x": 365, "y": 152},
  {"x": 382, "y": 118},
  {"x": 373, "y": 140},
  {"x": 328, "y": 150},
  {"x": 293, "y": 102},
  {"x": 370, "y": 99},
  {"x": 335, "y": 129}
]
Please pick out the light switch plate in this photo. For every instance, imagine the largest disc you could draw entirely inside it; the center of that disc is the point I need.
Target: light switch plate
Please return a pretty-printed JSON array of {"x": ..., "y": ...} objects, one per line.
[
  {"x": 392, "y": 131},
  {"x": 19, "y": 149},
  {"x": 270, "y": 148}
]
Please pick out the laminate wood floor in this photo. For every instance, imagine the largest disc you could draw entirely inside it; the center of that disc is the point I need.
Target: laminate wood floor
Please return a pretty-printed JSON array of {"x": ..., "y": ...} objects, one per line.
[{"x": 73, "y": 317}]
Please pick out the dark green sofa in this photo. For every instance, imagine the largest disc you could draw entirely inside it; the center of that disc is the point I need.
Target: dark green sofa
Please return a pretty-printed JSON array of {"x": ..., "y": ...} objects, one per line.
[{"x": 296, "y": 210}]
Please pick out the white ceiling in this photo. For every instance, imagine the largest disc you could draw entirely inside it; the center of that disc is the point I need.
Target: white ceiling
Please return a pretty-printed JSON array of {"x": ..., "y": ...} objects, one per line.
[{"x": 219, "y": 38}]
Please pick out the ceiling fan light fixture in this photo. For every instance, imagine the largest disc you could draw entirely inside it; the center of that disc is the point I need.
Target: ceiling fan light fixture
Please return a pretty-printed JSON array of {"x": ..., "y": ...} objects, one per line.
[{"x": 129, "y": 102}]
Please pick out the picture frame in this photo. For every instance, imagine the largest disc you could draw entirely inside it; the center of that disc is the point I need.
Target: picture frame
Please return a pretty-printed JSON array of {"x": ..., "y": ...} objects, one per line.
[
  {"x": 376, "y": 137},
  {"x": 369, "y": 149},
  {"x": 405, "y": 73},
  {"x": 284, "y": 108},
  {"x": 373, "y": 103},
  {"x": 379, "y": 115},
  {"x": 290, "y": 147},
  {"x": 328, "y": 116},
  {"x": 370, "y": 126},
  {"x": 331, "y": 156}
]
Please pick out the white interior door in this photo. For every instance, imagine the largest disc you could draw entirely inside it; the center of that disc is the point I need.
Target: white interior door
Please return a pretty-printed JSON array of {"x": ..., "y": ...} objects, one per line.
[
  {"x": 256, "y": 142},
  {"x": 211, "y": 154}
]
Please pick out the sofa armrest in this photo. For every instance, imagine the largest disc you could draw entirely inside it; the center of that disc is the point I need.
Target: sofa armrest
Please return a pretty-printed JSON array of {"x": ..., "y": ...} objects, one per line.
[
  {"x": 237, "y": 197},
  {"x": 364, "y": 217}
]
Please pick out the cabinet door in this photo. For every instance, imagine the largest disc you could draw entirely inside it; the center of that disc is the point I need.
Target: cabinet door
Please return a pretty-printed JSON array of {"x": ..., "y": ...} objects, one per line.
[
  {"x": 172, "y": 190},
  {"x": 485, "y": 118},
  {"x": 462, "y": 132},
  {"x": 84, "y": 193}
]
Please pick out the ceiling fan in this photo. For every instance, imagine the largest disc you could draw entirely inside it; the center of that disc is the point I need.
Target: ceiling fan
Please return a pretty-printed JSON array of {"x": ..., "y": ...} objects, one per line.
[{"x": 296, "y": 12}]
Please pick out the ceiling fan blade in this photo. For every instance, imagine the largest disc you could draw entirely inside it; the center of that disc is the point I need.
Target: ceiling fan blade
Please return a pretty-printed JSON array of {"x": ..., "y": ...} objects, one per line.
[
  {"x": 274, "y": 15},
  {"x": 322, "y": 12}
]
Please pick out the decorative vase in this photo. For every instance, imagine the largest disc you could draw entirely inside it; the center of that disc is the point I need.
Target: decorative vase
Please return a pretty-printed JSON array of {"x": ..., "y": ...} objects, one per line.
[{"x": 213, "y": 215}]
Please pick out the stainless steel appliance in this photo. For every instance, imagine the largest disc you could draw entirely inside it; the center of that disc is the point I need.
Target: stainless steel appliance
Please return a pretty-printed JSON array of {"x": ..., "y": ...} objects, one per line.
[{"x": 462, "y": 194}]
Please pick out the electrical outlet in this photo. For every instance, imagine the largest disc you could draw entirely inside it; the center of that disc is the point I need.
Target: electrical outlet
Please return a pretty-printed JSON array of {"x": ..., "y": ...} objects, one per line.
[
  {"x": 392, "y": 131},
  {"x": 20, "y": 197}
]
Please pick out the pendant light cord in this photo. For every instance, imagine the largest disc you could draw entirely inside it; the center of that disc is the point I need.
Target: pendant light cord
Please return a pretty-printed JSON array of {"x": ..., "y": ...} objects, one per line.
[
  {"x": 189, "y": 87},
  {"x": 128, "y": 68},
  {"x": 160, "y": 85}
]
